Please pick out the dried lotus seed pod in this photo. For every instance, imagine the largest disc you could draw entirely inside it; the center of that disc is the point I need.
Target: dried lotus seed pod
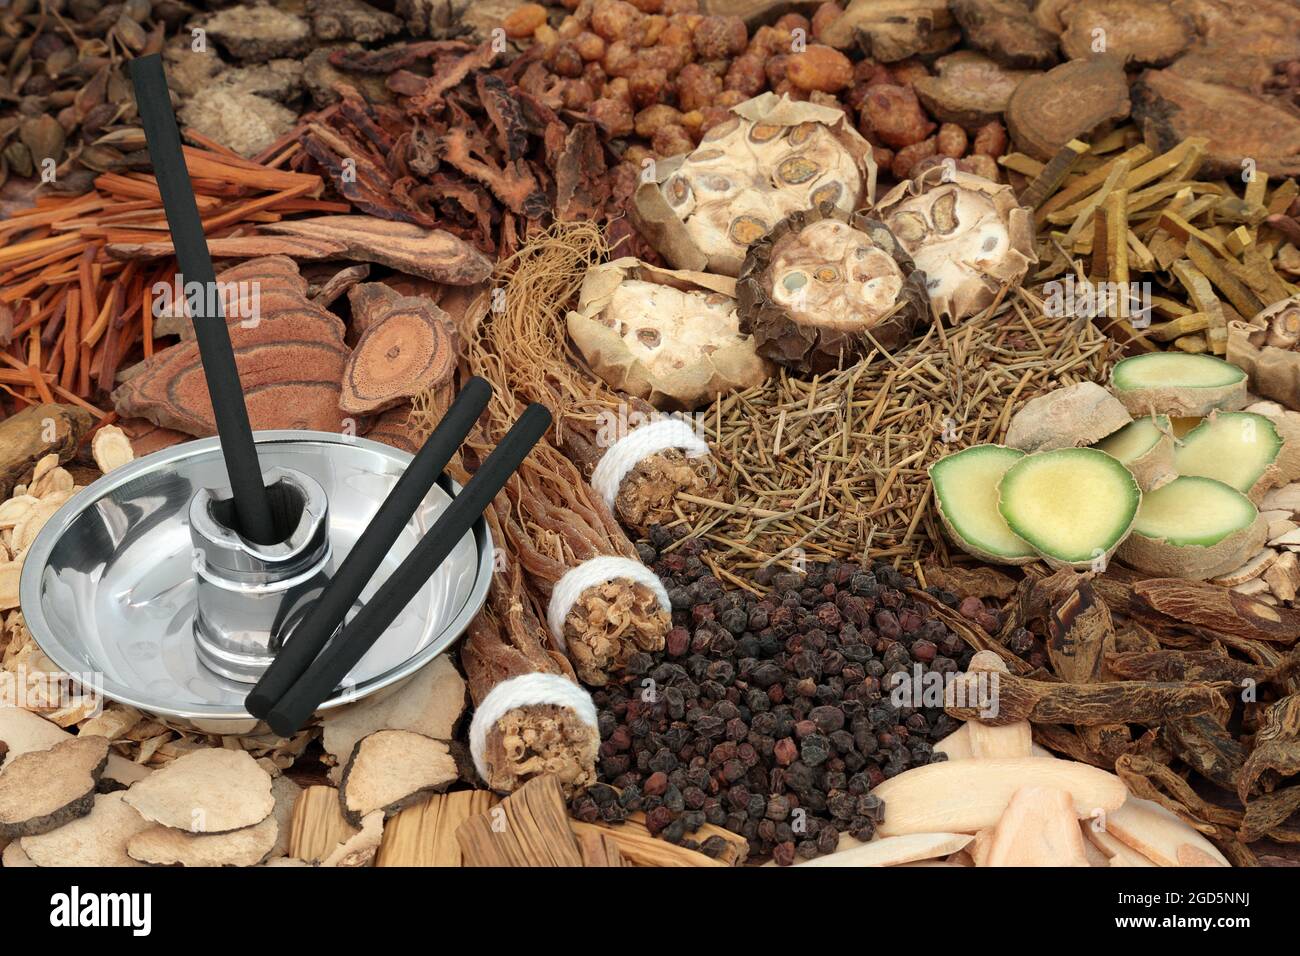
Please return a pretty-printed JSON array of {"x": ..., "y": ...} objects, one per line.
[
  {"x": 1282, "y": 320},
  {"x": 825, "y": 287},
  {"x": 745, "y": 176},
  {"x": 969, "y": 235}
]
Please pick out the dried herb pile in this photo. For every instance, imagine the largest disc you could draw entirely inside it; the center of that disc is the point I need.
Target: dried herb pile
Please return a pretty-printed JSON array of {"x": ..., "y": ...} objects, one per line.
[{"x": 834, "y": 466}]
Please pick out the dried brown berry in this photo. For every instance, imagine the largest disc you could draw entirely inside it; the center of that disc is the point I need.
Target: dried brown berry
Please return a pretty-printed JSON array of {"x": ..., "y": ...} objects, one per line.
[
  {"x": 821, "y": 68},
  {"x": 697, "y": 87},
  {"x": 612, "y": 19},
  {"x": 909, "y": 156},
  {"x": 894, "y": 115},
  {"x": 614, "y": 116},
  {"x": 746, "y": 74},
  {"x": 650, "y": 119},
  {"x": 564, "y": 60},
  {"x": 952, "y": 140},
  {"x": 991, "y": 139},
  {"x": 522, "y": 21},
  {"x": 589, "y": 46},
  {"x": 672, "y": 139},
  {"x": 718, "y": 37}
]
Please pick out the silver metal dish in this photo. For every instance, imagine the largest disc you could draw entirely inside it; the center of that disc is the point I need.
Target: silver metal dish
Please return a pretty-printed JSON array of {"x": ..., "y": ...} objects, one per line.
[{"x": 109, "y": 587}]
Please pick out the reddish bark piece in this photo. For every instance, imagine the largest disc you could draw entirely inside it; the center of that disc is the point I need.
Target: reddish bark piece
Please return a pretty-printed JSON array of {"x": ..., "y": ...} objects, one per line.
[
  {"x": 408, "y": 350},
  {"x": 290, "y": 355},
  {"x": 581, "y": 185},
  {"x": 235, "y": 247},
  {"x": 1078, "y": 99},
  {"x": 1239, "y": 125},
  {"x": 430, "y": 253}
]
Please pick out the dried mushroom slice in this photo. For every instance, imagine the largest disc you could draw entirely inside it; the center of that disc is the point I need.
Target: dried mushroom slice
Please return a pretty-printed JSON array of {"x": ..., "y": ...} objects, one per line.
[
  {"x": 42, "y": 790},
  {"x": 969, "y": 235},
  {"x": 207, "y": 791},
  {"x": 824, "y": 287},
  {"x": 745, "y": 177},
  {"x": 391, "y": 769}
]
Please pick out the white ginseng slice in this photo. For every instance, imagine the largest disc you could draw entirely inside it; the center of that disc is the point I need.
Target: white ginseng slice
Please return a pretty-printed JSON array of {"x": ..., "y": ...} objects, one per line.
[
  {"x": 1073, "y": 505},
  {"x": 1146, "y": 448},
  {"x": 965, "y": 796},
  {"x": 1194, "y": 528},
  {"x": 1236, "y": 448},
  {"x": 966, "y": 490},
  {"x": 895, "y": 851},
  {"x": 1177, "y": 383}
]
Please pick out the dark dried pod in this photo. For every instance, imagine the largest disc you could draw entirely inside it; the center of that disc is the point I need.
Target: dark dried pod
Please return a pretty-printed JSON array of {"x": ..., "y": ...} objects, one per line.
[{"x": 824, "y": 287}]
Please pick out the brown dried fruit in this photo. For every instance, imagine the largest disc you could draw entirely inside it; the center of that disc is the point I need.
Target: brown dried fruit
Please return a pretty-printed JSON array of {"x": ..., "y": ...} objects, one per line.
[
  {"x": 893, "y": 114},
  {"x": 952, "y": 141},
  {"x": 564, "y": 60},
  {"x": 672, "y": 140},
  {"x": 523, "y": 20},
  {"x": 747, "y": 74},
  {"x": 1143, "y": 33},
  {"x": 650, "y": 119},
  {"x": 589, "y": 46},
  {"x": 820, "y": 68},
  {"x": 719, "y": 37},
  {"x": 612, "y": 19},
  {"x": 991, "y": 140},
  {"x": 614, "y": 116},
  {"x": 909, "y": 157},
  {"x": 969, "y": 236},
  {"x": 823, "y": 287},
  {"x": 823, "y": 17}
]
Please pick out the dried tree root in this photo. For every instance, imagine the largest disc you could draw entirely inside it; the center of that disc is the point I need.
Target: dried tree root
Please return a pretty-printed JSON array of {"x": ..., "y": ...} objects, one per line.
[
  {"x": 1090, "y": 705},
  {"x": 649, "y": 491}
]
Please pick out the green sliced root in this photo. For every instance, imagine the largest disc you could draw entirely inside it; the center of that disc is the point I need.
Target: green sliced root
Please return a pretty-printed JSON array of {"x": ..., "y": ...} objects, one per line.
[
  {"x": 1146, "y": 448},
  {"x": 1195, "y": 528},
  {"x": 966, "y": 491},
  {"x": 1177, "y": 383},
  {"x": 1237, "y": 448},
  {"x": 1074, "y": 505}
]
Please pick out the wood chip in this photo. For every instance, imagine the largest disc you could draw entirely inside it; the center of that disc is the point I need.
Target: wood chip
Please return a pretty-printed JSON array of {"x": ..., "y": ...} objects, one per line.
[
  {"x": 1283, "y": 578},
  {"x": 318, "y": 827},
  {"x": 425, "y": 834},
  {"x": 1251, "y": 569},
  {"x": 528, "y": 828},
  {"x": 207, "y": 791}
]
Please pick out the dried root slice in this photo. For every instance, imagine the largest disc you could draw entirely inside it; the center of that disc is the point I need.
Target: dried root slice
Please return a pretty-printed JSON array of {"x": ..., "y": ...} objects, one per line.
[
  {"x": 1039, "y": 828},
  {"x": 430, "y": 703},
  {"x": 392, "y": 769},
  {"x": 1068, "y": 417},
  {"x": 111, "y": 448},
  {"x": 407, "y": 352},
  {"x": 1160, "y": 836},
  {"x": 1236, "y": 448},
  {"x": 966, "y": 491},
  {"x": 1253, "y": 568},
  {"x": 1282, "y": 320},
  {"x": 970, "y": 90},
  {"x": 22, "y": 732},
  {"x": 207, "y": 791},
  {"x": 969, "y": 235},
  {"x": 361, "y": 848},
  {"x": 1146, "y": 448},
  {"x": 824, "y": 287},
  {"x": 1177, "y": 383},
  {"x": 1073, "y": 506},
  {"x": 895, "y": 851},
  {"x": 1116, "y": 852},
  {"x": 164, "y": 846},
  {"x": 97, "y": 839},
  {"x": 608, "y": 624},
  {"x": 1006, "y": 30},
  {"x": 1078, "y": 99},
  {"x": 1194, "y": 528},
  {"x": 42, "y": 790},
  {"x": 967, "y": 796},
  {"x": 1142, "y": 32},
  {"x": 538, "y": 739}
]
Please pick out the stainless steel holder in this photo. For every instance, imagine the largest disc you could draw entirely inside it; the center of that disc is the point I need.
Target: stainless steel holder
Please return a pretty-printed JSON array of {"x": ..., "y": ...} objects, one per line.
[{"x": 250, "y": 595}]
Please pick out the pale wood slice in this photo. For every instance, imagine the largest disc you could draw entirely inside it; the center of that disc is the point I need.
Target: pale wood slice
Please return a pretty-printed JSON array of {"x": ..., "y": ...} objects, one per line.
[
  {"x": 1160, "y": 836},
  {"x": 1120, "y": 853},
  {"x": 892, "y": 851},
  {"x": 965, "y": 796},
  {"x": 317, "y": 827},
  {"x": 1038, "y": 828}
]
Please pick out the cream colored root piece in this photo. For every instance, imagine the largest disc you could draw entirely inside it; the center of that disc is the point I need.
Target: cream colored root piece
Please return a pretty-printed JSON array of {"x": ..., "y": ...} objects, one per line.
[
  {"x": 1068, "y": 417},
  {"x": 1009, "y": 740},
  {"x": 1039, "y": 828},
  {"x": 894, "y": 851},
  {"x": 213, "y": 790},
  {"x": 965, "y": 796},
  {"x": 1161, "y": 836},
  {"x": 164, "y": 846},
  {"x": 98, "y": 839},
  {"x": 111, "y": 448},
  {"x": 1119, "y": 853}
]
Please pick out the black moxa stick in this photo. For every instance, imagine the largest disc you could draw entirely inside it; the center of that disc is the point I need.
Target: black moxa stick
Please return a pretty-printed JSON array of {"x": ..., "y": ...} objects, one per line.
[
  {"x": 252, "y": 508},
  {"x": 360, "y": 634},
  {"x": 330, "y": 609}
]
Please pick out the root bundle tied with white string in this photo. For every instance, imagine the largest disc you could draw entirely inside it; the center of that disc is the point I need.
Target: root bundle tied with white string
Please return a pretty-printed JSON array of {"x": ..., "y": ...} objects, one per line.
[
  {"x": 521, "y": 347},
  {"x": 530, "y": 715}
]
